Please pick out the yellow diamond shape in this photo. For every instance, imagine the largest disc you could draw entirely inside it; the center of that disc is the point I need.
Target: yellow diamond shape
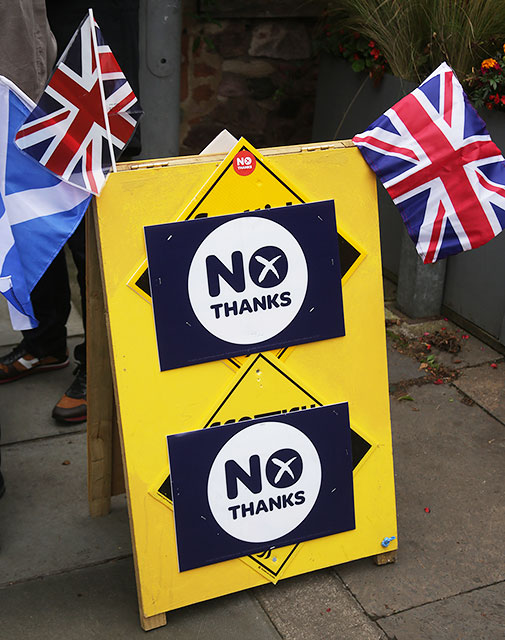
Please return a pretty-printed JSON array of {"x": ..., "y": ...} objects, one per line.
[
  {"x": 227, "y": 192},
  {"x": 263, "y": 387}
]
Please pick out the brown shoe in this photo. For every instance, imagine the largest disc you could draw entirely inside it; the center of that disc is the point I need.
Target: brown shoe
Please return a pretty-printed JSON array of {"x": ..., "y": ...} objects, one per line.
[
  {"x": 19, "y": 363},
  {"x": 72, "y": 406}
]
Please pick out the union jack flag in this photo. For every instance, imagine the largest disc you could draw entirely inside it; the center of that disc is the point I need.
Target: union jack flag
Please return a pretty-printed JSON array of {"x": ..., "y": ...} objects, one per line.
[
  {"x": 86, "y": 115},
  {"x": 434, "y": 156}
]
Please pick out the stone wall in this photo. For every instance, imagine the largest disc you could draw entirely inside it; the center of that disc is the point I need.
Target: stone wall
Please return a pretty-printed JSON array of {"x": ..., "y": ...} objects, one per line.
[{"x": 248, "y": 69}]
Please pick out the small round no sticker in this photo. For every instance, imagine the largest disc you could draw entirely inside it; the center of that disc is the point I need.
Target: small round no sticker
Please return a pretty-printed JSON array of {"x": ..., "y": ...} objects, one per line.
[{"x": 244, "y": 163}]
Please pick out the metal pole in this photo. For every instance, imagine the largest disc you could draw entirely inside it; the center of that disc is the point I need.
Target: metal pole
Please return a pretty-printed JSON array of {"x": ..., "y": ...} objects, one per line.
[
  {"x": 159, "y": 76},
  {"x": 420, "y": 286}
]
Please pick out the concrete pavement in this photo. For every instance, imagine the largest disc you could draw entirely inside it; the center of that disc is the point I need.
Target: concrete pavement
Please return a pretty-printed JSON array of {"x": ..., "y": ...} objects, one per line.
[{"x": 65, "y": 575}]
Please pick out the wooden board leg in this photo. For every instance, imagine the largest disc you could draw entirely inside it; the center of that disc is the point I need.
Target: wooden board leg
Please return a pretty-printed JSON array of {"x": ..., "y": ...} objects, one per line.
[
  {"x": 153, "y": 622},
  {"x": 388, "y": 557},
  {"x": 100, "y": 392}
]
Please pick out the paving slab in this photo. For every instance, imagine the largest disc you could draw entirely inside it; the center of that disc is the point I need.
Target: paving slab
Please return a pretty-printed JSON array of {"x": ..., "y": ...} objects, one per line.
[
  {"x": 401, "y": 367},
  {"x": 449, "y": 459},
  {"x": 26, "y": 404},
  {"x": 479, "y": 615},
  {"x": 10, "y": 337},
  {"x": 101, "y": 602},
  {"x": 45, "y": 526},
  {"x": 473, "y": 352},
  {"x": 486, "y": 386},
  {"x": 315, "y": 606}
]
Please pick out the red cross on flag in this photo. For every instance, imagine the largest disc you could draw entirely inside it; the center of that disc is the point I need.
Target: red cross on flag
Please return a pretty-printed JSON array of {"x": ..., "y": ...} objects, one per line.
[{"x": 86, "y": 115}]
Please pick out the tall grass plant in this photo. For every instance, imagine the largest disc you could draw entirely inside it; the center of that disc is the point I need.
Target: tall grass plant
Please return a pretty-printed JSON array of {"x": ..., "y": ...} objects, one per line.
[{"x": 415, "y": 36}]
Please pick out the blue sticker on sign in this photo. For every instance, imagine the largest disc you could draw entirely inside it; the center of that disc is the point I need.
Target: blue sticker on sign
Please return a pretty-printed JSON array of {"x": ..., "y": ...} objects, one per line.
[
  {"x": 242, "y": 488},
  {"x": 233, "y": 285}
]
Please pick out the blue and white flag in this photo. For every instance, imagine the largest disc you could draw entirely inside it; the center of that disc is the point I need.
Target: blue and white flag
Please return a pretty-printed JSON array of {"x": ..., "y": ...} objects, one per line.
[{"x": 38, "y": 212}]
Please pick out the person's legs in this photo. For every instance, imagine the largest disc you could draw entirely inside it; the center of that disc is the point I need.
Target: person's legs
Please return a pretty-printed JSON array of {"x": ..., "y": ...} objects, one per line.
[
  {"x": 118, "y": 20},
  {"x": 77, "y": 246},
  {"x": 51, "y": 305},
  {"x": 45, "y": 347},
  {"x": 72, "y": 406}
]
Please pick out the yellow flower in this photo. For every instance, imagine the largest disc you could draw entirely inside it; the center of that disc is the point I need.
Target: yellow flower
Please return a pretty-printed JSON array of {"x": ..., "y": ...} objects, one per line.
[{"x": 489, "y": 63}]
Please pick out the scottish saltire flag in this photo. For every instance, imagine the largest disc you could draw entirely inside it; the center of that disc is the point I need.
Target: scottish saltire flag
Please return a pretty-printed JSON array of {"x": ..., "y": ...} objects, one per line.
[
  {"x": 38, "y": 212},
  {"x": 86, "y": 115},
  {"x": 434, "y": 156}
]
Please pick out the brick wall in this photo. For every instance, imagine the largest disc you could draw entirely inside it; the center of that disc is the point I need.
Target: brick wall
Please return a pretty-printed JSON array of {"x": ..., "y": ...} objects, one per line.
[{"x": 249, "y": 69}]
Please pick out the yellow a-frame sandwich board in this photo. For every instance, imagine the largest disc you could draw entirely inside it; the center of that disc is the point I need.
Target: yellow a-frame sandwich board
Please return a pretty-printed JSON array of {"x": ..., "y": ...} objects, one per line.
[{"x": 152, "y": 405}]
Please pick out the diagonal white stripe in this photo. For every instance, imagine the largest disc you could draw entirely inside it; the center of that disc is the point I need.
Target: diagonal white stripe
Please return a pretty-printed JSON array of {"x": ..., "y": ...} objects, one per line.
[{"x": 36, "y": 203}]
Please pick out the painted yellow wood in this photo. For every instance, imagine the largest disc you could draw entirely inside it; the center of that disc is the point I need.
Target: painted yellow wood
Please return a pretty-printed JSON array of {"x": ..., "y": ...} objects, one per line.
[{"x": 153, "y": 404}]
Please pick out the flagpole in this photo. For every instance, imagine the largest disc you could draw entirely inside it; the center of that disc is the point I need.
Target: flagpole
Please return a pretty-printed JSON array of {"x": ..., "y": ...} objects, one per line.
[{"x": 102, "y": 92}]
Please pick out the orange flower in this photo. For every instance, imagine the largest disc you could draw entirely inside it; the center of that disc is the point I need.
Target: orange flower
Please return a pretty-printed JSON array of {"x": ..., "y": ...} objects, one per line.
[{"x": 489, "y": 63}]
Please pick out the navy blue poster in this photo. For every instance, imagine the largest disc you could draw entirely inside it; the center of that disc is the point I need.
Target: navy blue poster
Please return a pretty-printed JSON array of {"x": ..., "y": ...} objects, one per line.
[
  {"x": 246, "y": 487},
  {"x": 243, "y": 283}
]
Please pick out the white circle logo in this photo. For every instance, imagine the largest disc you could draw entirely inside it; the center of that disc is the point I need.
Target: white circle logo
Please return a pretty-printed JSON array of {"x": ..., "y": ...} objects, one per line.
[
  {"x": 264, "y": 482},
  {"x": 247, "y": 280}
]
